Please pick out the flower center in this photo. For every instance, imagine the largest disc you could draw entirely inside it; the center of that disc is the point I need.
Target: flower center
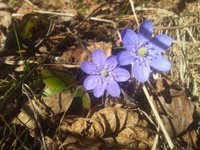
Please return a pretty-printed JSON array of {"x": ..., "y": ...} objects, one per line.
[
  {"x": 142, "y": 51},
  {"x": 104, "y": 73}
]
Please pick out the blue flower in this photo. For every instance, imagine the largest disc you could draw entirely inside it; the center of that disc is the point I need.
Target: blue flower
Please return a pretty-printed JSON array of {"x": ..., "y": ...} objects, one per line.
[
  {"x": 104, "y": 74},
  {"x": 144, "y": 51}
]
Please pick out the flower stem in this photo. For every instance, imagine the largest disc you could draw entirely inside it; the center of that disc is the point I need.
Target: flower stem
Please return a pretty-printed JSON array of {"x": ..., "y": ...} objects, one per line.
[{"x": 158, "y": 119}]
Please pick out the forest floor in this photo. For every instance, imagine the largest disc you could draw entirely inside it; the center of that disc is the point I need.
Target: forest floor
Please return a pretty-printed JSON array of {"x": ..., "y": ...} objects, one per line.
[{"x": 43, "y": 104}]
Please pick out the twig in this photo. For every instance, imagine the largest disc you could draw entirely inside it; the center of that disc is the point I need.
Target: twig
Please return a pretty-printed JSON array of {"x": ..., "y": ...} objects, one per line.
[
  {"x": 109, "y": 21},
  {"x": 133, "y": 8},
  {"x": 81, "y": 42},
  {"x": 155, "y": 142},
  {"x": 28, "y": 92},
  {"x": 158, "y": 119},
  {"x": 54, "y": 13},
  {"x": 61, "y": 65},
  {"x": 46, "y": 12},
  {"x": 177, "y": 27},
  {"x": 161, "y": 11}
]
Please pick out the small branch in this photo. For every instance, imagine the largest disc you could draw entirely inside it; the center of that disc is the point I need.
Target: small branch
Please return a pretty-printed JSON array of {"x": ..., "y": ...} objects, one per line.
[
  {"x": 133, "y": 9},
  {"x": 158, "y": 119},
  {"x": 28, "y": 92},
  {"x": 177, "y": 27},
  {"x": 109, "y": 21}
]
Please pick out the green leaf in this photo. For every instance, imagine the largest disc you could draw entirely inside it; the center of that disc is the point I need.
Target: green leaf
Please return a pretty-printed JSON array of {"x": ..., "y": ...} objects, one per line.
[
  {"x": 33, "y": 25},
  {"x": 84, "y": 96},
  {"x": 56, "y": 81}
]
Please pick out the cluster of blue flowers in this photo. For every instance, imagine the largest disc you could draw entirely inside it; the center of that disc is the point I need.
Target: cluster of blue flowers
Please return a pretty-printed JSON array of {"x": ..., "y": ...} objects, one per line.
[{"x": 142, "y": 51}]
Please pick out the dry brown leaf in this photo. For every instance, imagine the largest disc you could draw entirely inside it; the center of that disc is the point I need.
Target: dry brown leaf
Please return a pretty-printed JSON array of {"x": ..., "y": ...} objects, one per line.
[
  {"x": 131, "y": 139},
  {"x": 127, "y": 137},
  {"x": 174, "y": 106},
  {"x": 78, "y": 142},
  {"x": 97, "y": 116},
  {"x": 26, "y": 117},
  {"x": 95, "y": 129},
  {"x": 78, "y": 54},
  {"x": 132, "y": 119},
  {"x": 121, "y": 115},
  {"x": 52, "y": 105},
  {"x": 190, "y": 138},
  {"x": 25, "y": 8},
  {"x": 109, "y": 115},
  {"x": 105, "y": 46},
  {"x": 84, "y": 126},
  {"x": 113, "y": 124},
  {"x": 135, "y": 136},
  {"x": 46, "y": 107},
  {"x": 77, "y": 127},
  {"x": 5, "y": 19}
]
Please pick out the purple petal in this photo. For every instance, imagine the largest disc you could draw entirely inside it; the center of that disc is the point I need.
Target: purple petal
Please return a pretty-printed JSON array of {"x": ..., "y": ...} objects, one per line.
[
  {"x": 121, "y": 74},
  {"x": 90, "y": 82},
  {"x": 160, "y": 63},
  {"x": 160, "y": 42},
  {"x": 141, "y": 71},
  {"x": 112, "y": 62},
  {"x": 113, "y": 89},
  {"x": 145, "y": 30},
  {"x": 125, "y": 58},
  {"x": 99, "y": 89},
  {"x": 98, "y": 57},
  {"x": 88, "y": 67},
  {"x": 130, "y": 48},
  {"x": 129, "y": 37}
]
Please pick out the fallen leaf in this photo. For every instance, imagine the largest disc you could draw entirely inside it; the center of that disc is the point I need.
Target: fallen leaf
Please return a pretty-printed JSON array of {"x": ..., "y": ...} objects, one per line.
[
  {"x": 78, "y": 142},
  {"x": 113, "y": 125},
  {"x": 175, "y": 109}
]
